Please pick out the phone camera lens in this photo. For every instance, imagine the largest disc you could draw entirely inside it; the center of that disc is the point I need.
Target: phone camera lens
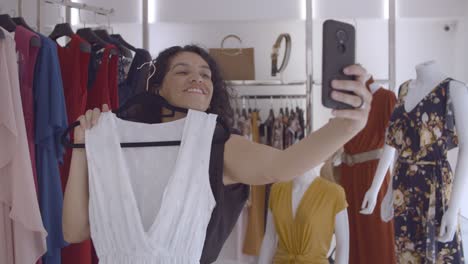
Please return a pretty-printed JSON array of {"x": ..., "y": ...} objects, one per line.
[
  {"x": 341, "y": 36},
  {"x": 341, "y": 48}
]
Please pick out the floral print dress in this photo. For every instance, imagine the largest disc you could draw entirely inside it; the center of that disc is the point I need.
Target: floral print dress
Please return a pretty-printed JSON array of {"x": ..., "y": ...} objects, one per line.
[{"x": 423, "y": 178}]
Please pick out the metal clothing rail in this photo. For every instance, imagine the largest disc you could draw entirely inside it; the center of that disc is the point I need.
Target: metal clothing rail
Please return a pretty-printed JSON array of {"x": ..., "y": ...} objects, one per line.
[
  {"x": 70, "y": 4},
  {"x": 286, "y": 96}
]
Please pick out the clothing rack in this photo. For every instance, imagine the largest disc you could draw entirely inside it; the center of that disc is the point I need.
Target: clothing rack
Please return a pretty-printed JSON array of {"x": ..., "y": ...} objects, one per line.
[
  {"x": 286, "y": 96},
  {"x": 70, "y": 4}
]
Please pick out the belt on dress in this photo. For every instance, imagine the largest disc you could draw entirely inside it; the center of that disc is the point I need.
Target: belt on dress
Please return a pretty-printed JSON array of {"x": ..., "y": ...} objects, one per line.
[
  {"x": 418, "y": 162},
  {"x": 350, "y": 160}
]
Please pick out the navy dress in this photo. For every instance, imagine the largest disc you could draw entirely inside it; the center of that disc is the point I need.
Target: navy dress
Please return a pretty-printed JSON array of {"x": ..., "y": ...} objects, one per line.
[{"x": 423, "y": 178}]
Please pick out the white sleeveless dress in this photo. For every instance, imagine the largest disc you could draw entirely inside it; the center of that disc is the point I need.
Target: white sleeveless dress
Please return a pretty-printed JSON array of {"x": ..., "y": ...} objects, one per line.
[{"x": 150, "y": 204}]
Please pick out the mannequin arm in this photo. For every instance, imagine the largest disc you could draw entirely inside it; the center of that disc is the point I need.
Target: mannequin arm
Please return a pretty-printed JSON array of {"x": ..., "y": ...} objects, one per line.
[
  {"x": 342, "y": 237},
  {"x": 370, "y": 199},
  {"x": 459, "y": 96},
  {"x": 270, "y": 240}
]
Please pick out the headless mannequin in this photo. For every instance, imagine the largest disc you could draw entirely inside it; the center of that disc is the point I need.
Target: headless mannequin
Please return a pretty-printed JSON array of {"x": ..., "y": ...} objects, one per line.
[
  {"x": 428, "y": 76},
  {"x": 300, "y": 185},
  {"x": 374, "y": 87}
]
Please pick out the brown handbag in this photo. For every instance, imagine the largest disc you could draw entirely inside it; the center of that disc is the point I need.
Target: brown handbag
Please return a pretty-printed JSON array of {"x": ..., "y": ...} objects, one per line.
[{"x": 235, "y": 63}]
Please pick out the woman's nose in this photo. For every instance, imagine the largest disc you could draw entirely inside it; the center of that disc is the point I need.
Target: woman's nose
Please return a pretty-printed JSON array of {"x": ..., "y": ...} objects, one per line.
[{"x": 196, "y": 78}]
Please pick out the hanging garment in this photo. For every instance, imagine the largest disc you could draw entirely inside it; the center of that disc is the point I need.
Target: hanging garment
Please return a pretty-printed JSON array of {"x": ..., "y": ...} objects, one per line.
[
  {"x": 305, "y": 237},
  {"x": 373, "y": 239},
  {"x": 100, "y": 82},
  {"x": 135, "y": 82},
  {"x": 22, "y": 234},
  {"x": 171, "y": 228},
  {"x": 226, "y": 216},
  {"x": 113, "y": 81},
  {"x": 105, "y": 91},
  {"x": 27, "y": 55},
  {"x": 74, "y": 69},
  {"x": 422, "y": 181},
  {"x": 230, "y": 199},
  {"x": 278, "y": 130},
  {"x": 123, "y": 66},
  {"x": 256, "y": 211},
  {"x": 50, "y": 122}
]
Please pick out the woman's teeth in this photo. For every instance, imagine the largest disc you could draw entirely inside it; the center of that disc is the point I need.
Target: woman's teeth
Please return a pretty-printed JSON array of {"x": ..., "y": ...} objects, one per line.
[{"x": 195, "y": 90}]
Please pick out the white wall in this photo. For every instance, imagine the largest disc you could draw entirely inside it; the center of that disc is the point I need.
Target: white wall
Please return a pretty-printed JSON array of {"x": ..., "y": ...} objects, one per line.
[
  {"x": 348, "y": 8},
  {"x": 420, "y": 40},
  {"x": 431, "y": 8},
  {"x": 228, "y": 10},
  {"x": 461, "y": 51},
  {"x": 260, "y": 35}
]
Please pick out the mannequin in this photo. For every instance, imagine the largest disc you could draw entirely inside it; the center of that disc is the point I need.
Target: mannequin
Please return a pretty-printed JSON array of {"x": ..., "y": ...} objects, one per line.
[
  {"x": 357, "y": 167},
  {"x": 429, "y": 76},
  {"x": 300, "y": 186}
]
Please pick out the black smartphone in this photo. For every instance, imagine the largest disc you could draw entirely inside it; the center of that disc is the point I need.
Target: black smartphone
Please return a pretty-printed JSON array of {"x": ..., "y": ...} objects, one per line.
[{"x": 338, "y": 52}]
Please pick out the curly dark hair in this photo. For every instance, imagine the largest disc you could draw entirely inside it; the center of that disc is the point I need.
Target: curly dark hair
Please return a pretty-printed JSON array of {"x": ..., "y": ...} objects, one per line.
[{"x": 220, "y": 103}]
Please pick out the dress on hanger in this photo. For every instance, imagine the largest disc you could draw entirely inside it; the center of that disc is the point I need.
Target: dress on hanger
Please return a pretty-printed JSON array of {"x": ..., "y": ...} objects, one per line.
[
  {"x": 305, "y": 237},
  {"x": 135, "y": 81},
  {"x": 50, "y": 123},
  {"x": 278, "y": 130},
  {"x": 256, "y": 211},
  {"x": 422, "y": 181},
  {"x": 230, "y": 199},
  {"x": 101, "y": 88},
  {"x": 113, "y": 81},
  {"x": 372, "y": 239},
  {"x": 230, "y": 202},
  {"x": 22, "y": 234},
  {"x": 125, "y": 227},
  {"x": 74, "y": 68},
  {"x": 27, "y": 55}
]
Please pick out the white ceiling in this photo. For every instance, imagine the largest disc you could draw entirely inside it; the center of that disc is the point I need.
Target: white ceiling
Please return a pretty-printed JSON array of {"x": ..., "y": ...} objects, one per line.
[{"x": 231, "y": 10}]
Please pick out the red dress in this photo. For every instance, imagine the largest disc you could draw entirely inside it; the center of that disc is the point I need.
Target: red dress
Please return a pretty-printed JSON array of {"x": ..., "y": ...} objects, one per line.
[
  {"x": 104, "y": 89},
  {"x": 27, "y": 55},
  {"x": 74, "y": 68},
  {"x": 372, "y": 240}
]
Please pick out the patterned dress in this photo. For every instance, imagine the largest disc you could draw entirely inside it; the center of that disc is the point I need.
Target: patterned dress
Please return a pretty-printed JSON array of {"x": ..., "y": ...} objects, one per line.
[{"x": 423, "y": 178}]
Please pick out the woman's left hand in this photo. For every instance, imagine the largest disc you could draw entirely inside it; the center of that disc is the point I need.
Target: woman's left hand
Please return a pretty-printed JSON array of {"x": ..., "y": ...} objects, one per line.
[{"x": 357, "y": 117}]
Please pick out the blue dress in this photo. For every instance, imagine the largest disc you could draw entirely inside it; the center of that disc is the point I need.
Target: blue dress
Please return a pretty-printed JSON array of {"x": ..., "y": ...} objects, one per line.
[{"x": 50, "y": 122}]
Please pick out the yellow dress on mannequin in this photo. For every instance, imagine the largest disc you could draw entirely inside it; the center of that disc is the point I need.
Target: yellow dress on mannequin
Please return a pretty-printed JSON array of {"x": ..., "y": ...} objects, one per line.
[{"x": 306, "y": 237}]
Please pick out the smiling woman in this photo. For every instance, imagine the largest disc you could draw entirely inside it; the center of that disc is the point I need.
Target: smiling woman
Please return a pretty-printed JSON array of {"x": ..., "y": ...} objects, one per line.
[
  {"x": 183, "y": 71},
  {"x": 199, "y": 189}
]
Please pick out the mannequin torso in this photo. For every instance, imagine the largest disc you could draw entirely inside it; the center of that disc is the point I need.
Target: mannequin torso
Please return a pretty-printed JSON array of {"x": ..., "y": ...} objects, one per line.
[
  {"x": 374, "y": 87},
  {"x": 428, "y": 77},
  {"x": 300, "y": 186}
]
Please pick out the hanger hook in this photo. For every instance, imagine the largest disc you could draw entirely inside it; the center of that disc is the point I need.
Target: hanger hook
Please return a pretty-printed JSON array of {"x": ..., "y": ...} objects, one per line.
[
  {"x": 95, "y": 18},
  {"x": 256, "y": 103},
  {"x": 60, "y": 15},
  {"x": 79, "y": 18},
  {"x": 109, "y": 24},
  {"x": 151, "y": 74}
]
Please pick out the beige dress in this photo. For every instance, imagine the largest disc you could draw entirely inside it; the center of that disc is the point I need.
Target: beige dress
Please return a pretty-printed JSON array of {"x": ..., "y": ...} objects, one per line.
[{"x": 22, "y": 235}]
